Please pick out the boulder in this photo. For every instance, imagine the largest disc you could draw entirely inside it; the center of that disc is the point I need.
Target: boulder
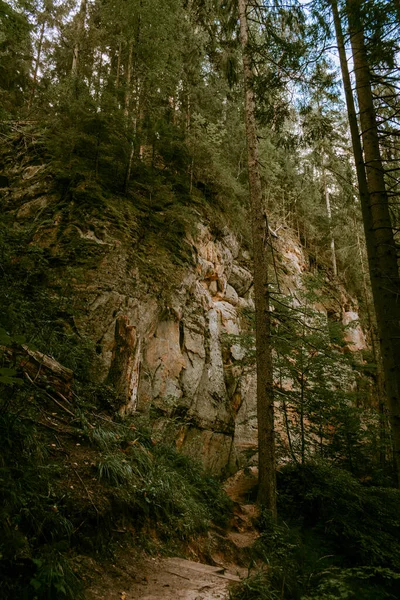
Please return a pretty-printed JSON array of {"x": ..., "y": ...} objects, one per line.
[{"x": 241, "y": 279}]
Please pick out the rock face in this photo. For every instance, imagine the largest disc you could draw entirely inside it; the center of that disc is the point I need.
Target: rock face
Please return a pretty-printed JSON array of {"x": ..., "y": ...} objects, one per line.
[
  {"x": 354, "y": 334},
  {"x": 178, "y": 360},
  {"x": 185, "y": 361}
]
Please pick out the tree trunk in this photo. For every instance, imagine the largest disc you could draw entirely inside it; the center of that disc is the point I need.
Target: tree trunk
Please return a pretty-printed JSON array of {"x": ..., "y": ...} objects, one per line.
[
  {"x": 387, "y": 294},
  {"x": 129, "y": 169},
  {"x": 128, "y": 79},
  {"x": 79, "y": 31},
  {"x": 302, "y": 428},
  {"x": 329, "y": 211},
  {"x": 379, "y": 383},
  {"x": 382, "y": 260},
  {"x": 118, "y": 65},
  {"x": 260, "y": 234},
  {"x": 37, "y": 63}
]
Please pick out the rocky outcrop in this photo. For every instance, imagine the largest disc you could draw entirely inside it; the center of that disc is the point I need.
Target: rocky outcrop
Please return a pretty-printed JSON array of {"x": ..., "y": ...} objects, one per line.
[
  {"x": 173, "y": 354},
  {"x": 353, "y": 334}
]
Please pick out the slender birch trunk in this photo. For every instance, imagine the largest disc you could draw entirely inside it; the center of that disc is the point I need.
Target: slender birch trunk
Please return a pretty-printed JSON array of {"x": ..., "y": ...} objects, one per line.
[
  {"x": 260, "y": 234},
  {"x": 329, "y": 211},
  {"x": 78, "y": 40},
  {"x": 37, "y": 64}
]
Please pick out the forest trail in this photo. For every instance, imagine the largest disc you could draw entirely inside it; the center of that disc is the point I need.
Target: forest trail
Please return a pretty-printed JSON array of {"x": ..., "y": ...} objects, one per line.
[
  {"x": 164, "y": 579},
  {"x": 140, "y": 577}
]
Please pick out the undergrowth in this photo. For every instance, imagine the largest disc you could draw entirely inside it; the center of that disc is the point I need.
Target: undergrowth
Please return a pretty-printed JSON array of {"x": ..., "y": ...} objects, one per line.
[
  {"x": 45, "y": 521},
  {"x": 336, "y": 539},
  {"x": 157, "y": 484},
  {"x": 35, "y": 530},
  {"x": 45, "y": 517}
]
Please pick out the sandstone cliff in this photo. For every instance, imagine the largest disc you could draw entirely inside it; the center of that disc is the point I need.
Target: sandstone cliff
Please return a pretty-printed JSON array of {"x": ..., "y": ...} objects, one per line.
[{"x": 160, "y": 325}]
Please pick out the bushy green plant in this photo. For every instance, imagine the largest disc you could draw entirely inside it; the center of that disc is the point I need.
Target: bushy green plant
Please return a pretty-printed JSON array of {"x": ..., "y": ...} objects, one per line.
[
  {"x": 360, "y": 523},
  {"x": 206, "y": 487},
  {"x": 340, "y": 540},
  {"x": 160, "y": 484},
  {"x": 257, "y": 587},
  {"x": 368, "y": 583},
  {"x": 54, "y": 578},
  {"x": 115, "y": 470},
  {"x": 31, "y": 515}
]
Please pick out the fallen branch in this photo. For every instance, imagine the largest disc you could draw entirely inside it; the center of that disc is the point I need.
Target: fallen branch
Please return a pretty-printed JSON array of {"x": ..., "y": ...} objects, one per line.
[
  {"x": 51, "y": 397},
  {"x": 86, "y": 490}
]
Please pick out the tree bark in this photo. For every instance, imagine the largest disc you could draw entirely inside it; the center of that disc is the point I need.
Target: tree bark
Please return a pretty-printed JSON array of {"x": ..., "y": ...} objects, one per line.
[
  {"x": 381, "y": 251},
  {"x": 43, "y": 370},
  {"x": 387, "y": 294},
  {"x": 260, "y": 234},
  {"x": 379, "y": 383},
  {"x": 118, "y": 65},
  {"x": 128, "y": 79}
]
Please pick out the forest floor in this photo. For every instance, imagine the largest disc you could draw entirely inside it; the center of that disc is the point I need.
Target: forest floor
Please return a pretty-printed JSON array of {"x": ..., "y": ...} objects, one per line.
[
  {"x": 217, "y": 560},
  {"x": 163, "y": 579}
]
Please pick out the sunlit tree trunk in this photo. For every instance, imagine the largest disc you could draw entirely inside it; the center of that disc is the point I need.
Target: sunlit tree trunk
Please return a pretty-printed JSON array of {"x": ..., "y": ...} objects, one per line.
[
  {"x": 329, "y": 211},
  {"x": 37, "y": 64},
  {"x": 260, "y": 235},
  {"x": 79, "y": 32}
]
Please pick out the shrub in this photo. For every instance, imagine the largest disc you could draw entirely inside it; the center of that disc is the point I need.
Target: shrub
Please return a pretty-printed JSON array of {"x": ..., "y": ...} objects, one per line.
[
  {"x": 340, "y": 540},
  {"x": 161, "y": 485},
  {"x": 359, "y": 523},
  {"x": 30, "y": 518}
]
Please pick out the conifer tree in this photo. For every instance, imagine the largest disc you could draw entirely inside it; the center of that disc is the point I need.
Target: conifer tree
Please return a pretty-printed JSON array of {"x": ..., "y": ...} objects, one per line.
[
  {"x": 260, "y": 235},
  {"x": 381, "y": 248},
  {"x": 15, "y": 58}
]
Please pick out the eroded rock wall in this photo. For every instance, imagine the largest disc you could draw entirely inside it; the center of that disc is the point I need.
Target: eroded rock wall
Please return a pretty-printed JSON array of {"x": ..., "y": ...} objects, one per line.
[
  {"x": 171, "y": 359},
  {"x": 187, "y": 370}
]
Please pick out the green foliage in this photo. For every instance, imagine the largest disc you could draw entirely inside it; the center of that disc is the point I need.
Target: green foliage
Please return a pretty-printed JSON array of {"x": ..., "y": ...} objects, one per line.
[
  {"x": 205, "y": 488},
  {"x": 335, "y": 505},
  {"x": 321, "y": 388},
  {"x": 31, "y": 516},
  {"x": 115, "y": 470},
  {"x": 83, "y": 140},
  {"x": 29, "y": 312},
  {"x": 54, "y": 578},
  {"x": 15, "y": 50},
  {"x": 316, "y": 380},
  {"x": 257, "y": 587},
  {"x": 157, "y": 483},
  {"x": 147, "y": 136},
  {"x": 371, "y": 583},
  {"x": 150, "y": 484},
  {"x": 327, "y": 544}
]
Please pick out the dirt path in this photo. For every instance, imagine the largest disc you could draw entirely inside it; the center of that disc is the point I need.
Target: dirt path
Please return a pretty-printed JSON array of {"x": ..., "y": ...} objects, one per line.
[
  {"x": 138, "y": 577},
  {"x": 164, "y": 579}
]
